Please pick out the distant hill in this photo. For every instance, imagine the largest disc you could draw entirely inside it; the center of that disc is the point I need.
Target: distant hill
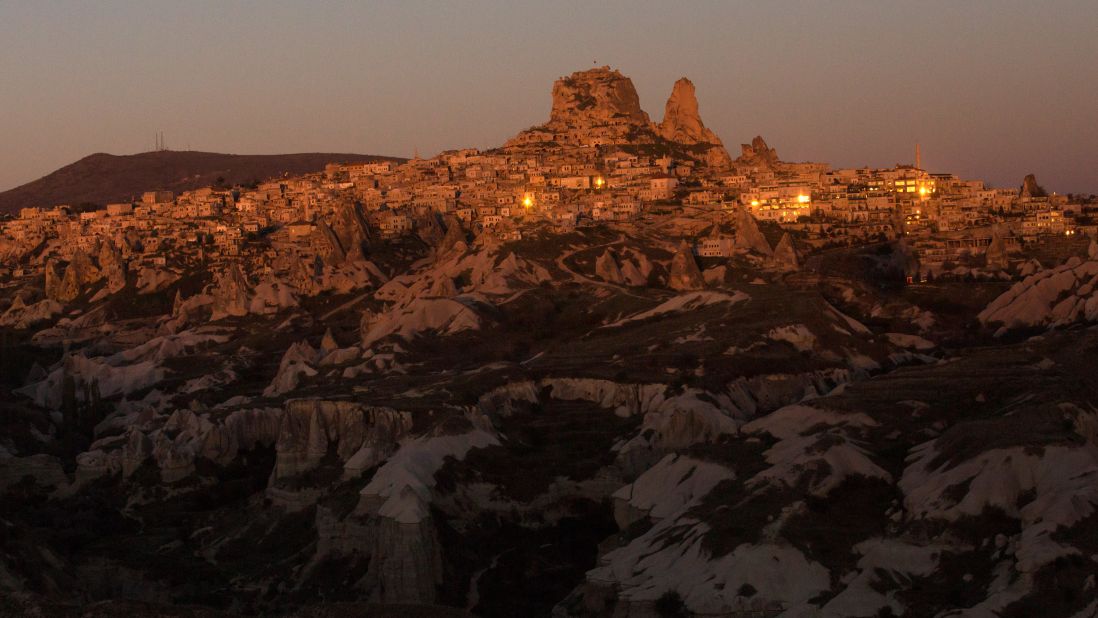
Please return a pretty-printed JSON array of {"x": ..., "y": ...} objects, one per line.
[{"x": 102, "y": 178}]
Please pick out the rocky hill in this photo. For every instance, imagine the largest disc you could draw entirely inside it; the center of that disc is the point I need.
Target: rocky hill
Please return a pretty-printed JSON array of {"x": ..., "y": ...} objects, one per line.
[
  {"x": 601, "y": 107},
  {"x": 595, "y": 97},
  {"x": 542, "y": 418},
  {"x": 103, "y": 178}
]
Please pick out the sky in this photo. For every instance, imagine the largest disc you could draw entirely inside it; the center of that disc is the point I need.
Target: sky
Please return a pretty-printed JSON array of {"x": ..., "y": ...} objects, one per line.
[{"x": 991, "y": 89}]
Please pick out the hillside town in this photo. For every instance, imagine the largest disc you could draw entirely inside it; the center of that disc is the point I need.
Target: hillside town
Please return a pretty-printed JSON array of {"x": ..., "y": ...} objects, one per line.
[
  {"x": 605, "y": 369},
  {"x": 587, "y": 166}
]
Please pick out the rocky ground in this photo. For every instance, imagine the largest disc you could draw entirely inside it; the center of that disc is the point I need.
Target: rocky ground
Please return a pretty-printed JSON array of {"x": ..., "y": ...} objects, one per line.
[{"x": 574, "y": 424}]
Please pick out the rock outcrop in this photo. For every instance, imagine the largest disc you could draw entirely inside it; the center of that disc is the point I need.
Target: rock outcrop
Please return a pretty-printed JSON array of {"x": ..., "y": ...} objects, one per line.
[
  {"x": 230, "y": 294},
  {"x": 112, "y": 266},
  {"x": 607, "y": 269},
  {"x": 359, "y": 436},
  {"x": 785, "y": 254},
  {"x": 177, "y": 443},
  {"x": 22, "y": 316},
  {"x": 78, "y": 275},
  {"x": 1030, "y": 188},
  {"x": 351, "y": 230},
  {"x": 683, "y": 124},
  {"x": 444, "y": 316},
  {"x": 1053, "y": 297},
  {"x": 408, "y": 557},
  {"x": 748, "y": 235},
  {"x": 297, "y": 363},
  {"x": 996, "y": 254},
  {"x": 596, "y": 97},
  {"x": 684, "y": 272},
  {"x": 454, "y": 236},
  {"x": 757, "y": 154}
]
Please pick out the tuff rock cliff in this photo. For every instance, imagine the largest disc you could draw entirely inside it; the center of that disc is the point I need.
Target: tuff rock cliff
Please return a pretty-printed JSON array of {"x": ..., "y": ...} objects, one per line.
[
  {"x": 683, "y": 124},
  {"x": 596, "y": 97}
]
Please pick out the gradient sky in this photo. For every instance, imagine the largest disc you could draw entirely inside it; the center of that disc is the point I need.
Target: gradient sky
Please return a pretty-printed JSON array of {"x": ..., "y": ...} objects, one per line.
[{"x": 992, "y": 89}]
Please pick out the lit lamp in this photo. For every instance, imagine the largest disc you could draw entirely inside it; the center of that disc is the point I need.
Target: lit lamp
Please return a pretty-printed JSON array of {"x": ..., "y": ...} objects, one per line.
[
  {"x": 599, "y": 182},
  {"x": 804, "y": 199},
  {"x": 527, "y": 202}
]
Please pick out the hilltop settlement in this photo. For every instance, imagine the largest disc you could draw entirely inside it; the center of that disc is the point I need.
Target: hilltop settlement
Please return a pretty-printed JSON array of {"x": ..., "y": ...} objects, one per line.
[
  {"x": 599, "y": 158},
  {"x": 606, "y": 368}
]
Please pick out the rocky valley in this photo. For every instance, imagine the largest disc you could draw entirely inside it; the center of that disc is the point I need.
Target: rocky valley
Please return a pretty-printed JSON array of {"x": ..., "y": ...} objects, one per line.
[{"x": 447, "y": 387}]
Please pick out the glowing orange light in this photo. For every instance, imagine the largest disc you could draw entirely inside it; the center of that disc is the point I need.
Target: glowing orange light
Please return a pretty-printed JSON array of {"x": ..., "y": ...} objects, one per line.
[
  {"x": 527, "y": 202},
  {"x": 599, "y": 182},
  {"x": 804, "y": 199}
]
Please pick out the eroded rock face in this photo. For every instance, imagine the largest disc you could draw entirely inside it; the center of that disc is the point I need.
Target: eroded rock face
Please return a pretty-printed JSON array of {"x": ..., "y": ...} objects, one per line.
[
  {"x": 351, "y": 230},
  {"x": 336, "y": 252},
  {"x": 1053, "y": 297},
  {"x": 757, "y": 154},
  {"x": 785, "y": 254},
  {"x": 77, "y": 276},
  {"x": 1030, "y": 188},
  {"x": 360, "y": 436},
  {"x": 453, "y": 237},
  {"x": 230, "y": 294},
  {"x": 180, "y": 440},
  {"x": 685, "y": 274},
  {"x": 297, "y": 362},
  {"x": 997, "y": 253},
  {"x": 53, "y": 280},
  {"x": 683, "y": 124},
  {"x": 114, "y": 269},
  {"x": 748, "y": 235},
  {"x": 606, "y": 268},
  {"x": 596, "y": 97}
]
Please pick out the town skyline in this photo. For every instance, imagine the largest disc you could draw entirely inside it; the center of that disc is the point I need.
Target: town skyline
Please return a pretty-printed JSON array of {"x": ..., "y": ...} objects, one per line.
[{"x": 988, "y": 94}]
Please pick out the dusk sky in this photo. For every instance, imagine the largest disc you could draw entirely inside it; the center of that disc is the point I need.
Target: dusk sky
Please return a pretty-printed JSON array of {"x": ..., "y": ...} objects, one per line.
[{"x": 993, "y": 89}]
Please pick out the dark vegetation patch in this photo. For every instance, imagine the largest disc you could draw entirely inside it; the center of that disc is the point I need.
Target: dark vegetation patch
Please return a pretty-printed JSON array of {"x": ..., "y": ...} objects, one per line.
[
  {"x": 556, "y": 439},
  {"x": 830, "y": 526},
  {"x": 534, "y": 567}
]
